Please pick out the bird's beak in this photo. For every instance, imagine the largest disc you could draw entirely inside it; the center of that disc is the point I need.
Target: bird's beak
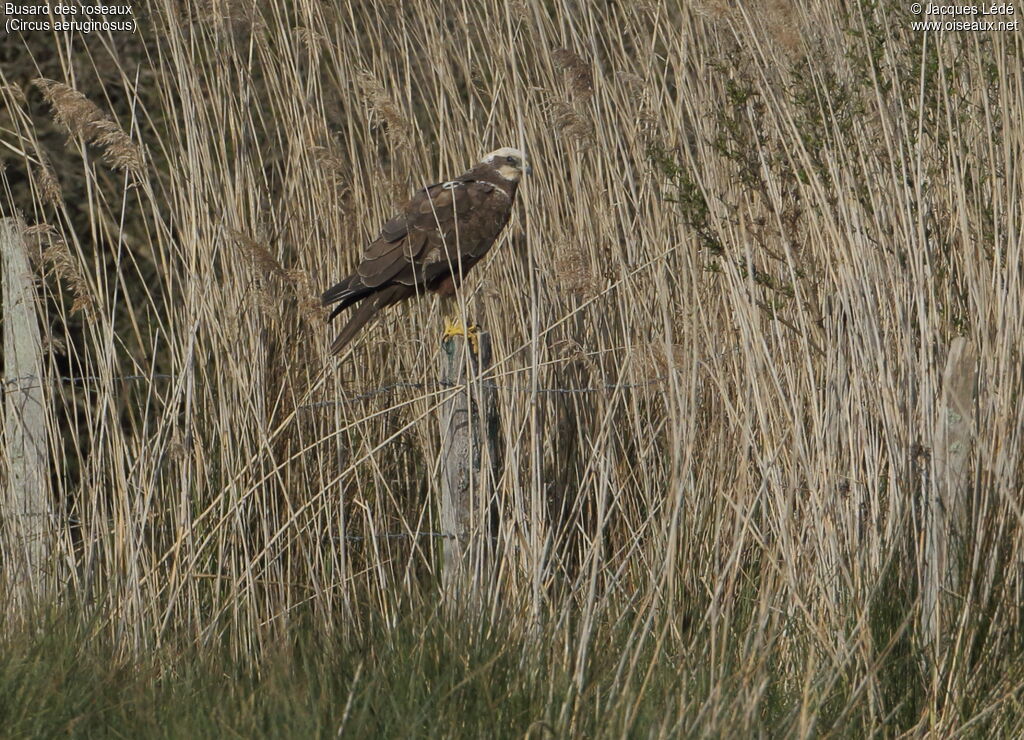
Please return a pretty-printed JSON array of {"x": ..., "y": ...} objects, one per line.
[{"x": 529, "y": 169}]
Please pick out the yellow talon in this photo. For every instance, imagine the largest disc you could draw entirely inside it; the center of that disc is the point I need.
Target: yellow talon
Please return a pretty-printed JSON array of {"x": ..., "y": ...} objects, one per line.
[{"x": 454, "y": 327}]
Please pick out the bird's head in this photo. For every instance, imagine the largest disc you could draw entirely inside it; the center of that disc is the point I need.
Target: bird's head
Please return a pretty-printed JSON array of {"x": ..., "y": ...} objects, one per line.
[{"x": 510, "y": 163}]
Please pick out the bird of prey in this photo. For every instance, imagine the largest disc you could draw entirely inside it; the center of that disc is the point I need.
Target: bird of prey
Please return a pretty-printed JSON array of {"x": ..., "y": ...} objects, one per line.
[{"x": 441, "y": 233}]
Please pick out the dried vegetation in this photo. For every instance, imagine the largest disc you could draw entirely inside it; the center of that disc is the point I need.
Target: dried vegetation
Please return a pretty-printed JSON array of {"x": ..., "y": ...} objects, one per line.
[{"x": 720, "y": 322}]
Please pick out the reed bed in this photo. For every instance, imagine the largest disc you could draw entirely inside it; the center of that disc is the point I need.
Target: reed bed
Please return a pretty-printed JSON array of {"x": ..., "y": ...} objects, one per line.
[{"x": 720, "y": 319}]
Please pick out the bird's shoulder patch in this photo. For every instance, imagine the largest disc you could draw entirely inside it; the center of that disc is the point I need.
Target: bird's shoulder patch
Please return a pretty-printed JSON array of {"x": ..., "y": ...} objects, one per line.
[
  {"x": 395, "y": 229},
  {"x": 433, "y": 202},
  {"x": 482, "y": 187},
  {"x": 414, "y": 244},
  {"x": 433, "y": 255}
]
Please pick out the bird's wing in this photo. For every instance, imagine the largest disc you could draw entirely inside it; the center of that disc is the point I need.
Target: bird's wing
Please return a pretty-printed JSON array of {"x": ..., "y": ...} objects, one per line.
[
  {"x": 433, "y": 227},
  {"x": 460, "y": 225},
  {"x": 442, "y": 232},
  {"x": 400, "y": 242}
]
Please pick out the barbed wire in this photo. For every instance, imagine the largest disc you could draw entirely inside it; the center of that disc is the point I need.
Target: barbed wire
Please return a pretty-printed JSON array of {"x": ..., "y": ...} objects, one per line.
[
  {"x": 367, "y": 394},
  {"x": 56, "y": 521},
  {"x": 93, "y": 378},
  {"x": 78, "y": 380},
  {"x": 489, "y": 385},
  {"x": 381, "y": 390},
  {"x": 393, "y": 536}
]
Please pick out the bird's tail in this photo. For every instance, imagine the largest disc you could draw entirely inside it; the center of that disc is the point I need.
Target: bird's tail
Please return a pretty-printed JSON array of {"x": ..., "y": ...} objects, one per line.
[
  {"x": 357, "y": 321},
  {"x": 345, "y": 293},
  {"x": 363, "y": 313}
]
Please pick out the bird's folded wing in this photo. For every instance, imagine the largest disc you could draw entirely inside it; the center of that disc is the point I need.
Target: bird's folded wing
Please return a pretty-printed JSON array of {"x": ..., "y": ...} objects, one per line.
[
  {"x": 394, "y": 229},
  {"x": 428, "y": 220}
]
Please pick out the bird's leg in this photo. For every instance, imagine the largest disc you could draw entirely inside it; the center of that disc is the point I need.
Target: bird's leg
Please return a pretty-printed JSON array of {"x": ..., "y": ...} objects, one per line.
[{"x": 455, "y": 327}]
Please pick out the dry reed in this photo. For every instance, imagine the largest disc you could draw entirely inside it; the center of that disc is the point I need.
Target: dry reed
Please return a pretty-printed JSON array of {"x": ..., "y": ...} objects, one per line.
[{"x": 766, "y": 236}]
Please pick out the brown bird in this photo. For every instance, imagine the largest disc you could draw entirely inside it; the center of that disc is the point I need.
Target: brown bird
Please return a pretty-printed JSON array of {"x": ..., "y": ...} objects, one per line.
[{"x": 441, "y": 233}]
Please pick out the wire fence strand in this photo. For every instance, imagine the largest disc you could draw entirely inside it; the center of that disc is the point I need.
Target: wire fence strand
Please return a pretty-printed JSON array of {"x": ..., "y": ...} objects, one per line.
[
  {"x": 58, "y": 521},
  {"x": 361, "y": 396},
  {"x": 82, "y": 380}
]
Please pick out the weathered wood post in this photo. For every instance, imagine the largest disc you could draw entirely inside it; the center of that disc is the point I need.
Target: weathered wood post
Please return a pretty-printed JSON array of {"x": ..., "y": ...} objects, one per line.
[
  {"x": 945, "y": 514},
  {"x": 469, "y": 461},
  {"x": 26, "y": 505}
]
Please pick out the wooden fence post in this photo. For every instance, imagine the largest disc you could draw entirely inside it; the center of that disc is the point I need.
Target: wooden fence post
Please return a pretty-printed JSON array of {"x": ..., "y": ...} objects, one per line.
[
  {"x": 945, "y": 514},
  {"x": 26, "y": 506},
  {"x": 469, "y": 460}
]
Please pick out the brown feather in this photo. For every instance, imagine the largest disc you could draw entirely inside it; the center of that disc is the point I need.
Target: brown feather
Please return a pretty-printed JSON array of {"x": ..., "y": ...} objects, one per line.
[
  {"x": 365, "y": 312},
  {"x": 394, "y": 229},
  {"x": 441, "y": 233}
]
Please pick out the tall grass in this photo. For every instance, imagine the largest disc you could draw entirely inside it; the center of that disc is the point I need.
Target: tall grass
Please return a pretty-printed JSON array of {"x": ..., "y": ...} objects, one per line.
[{"x": 751, "y": 233}]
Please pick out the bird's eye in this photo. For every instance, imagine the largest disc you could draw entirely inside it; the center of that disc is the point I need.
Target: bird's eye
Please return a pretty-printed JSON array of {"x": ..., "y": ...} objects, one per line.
[{"x": 510, "y": 160}]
